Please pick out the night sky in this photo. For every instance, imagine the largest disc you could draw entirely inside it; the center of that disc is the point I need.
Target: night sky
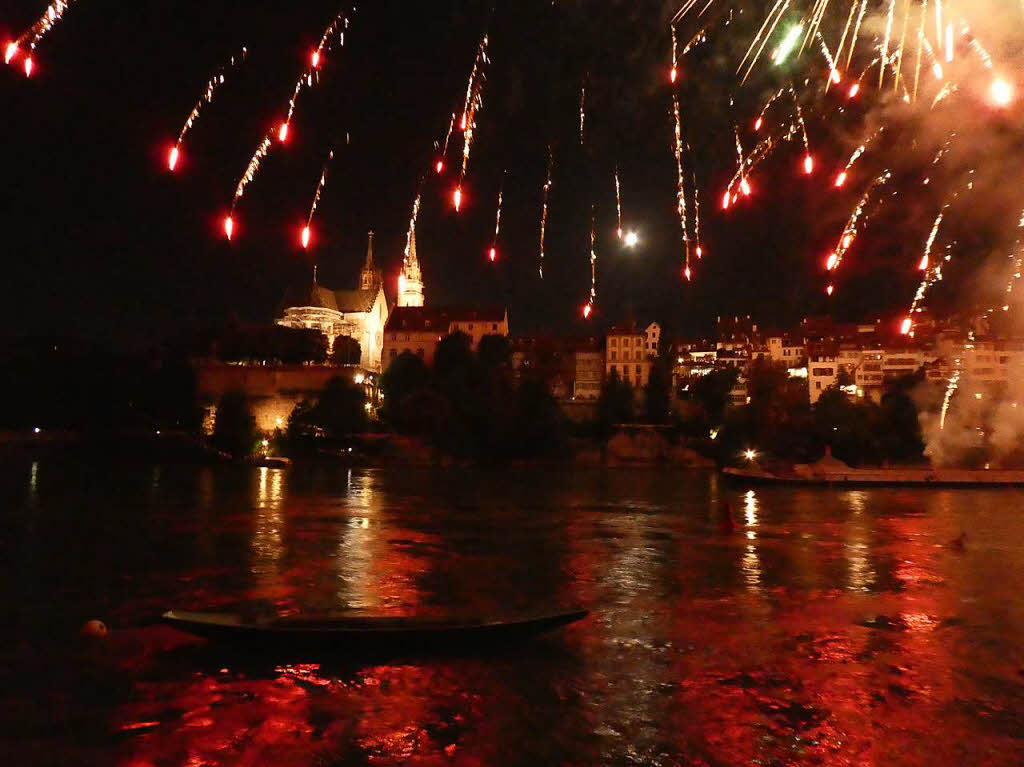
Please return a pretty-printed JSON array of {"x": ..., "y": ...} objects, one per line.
[{"x": 100, "y": 241}]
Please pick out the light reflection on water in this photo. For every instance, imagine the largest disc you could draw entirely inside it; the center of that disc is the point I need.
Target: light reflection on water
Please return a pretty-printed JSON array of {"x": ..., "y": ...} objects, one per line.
[{"x": 831, "y": 627}]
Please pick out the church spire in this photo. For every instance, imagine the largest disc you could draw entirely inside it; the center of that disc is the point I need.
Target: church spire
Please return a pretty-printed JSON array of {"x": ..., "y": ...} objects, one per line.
[
  {"x": 410, "y": 279},
  {"x": 369, "y": 279}
]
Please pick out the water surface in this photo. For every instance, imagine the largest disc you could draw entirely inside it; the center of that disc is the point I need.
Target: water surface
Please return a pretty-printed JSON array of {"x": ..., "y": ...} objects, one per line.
[{"x": 830, "y": 627}]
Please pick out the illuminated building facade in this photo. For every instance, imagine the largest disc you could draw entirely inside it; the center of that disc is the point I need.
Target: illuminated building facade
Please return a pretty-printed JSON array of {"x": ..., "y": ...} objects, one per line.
[
  {"x": 358, "y": 314},
  {"x": 410, "y": 279}
]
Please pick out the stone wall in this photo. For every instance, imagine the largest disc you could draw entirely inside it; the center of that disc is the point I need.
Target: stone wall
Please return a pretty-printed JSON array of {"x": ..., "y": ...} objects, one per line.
[{"x": 273, "y": 390}]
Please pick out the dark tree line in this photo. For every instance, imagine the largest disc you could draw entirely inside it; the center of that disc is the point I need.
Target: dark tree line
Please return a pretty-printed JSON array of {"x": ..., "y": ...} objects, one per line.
[{"x": 472, "y": 405}]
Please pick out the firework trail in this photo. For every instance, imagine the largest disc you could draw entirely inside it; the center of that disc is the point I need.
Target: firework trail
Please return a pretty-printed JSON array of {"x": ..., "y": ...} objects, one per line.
[
  {"x": 696, "y": 212},
  {"x": 932, "y": 274},
  {"x": 474, "y": 102},
  {"x": 211, "y": 89},
  {"x": 34, "y": 34},
  {"x": 336, "y": 29},
  {"x": 589, "y": 308},
  {"x": 773, "y": 19},
  {"x": 856, "y": 30},
  {"x": 583, "y": 112},
  {"x": 757, "y": 155},
  {"x": 618, "y": 202},
  {"x": 673, "y": 72},
  {"x": 834, "y": 78},
  {"x": 306, "y": 233},
  {"x": 681, "y": 192},
  {"x": 250, "y": 173},
  {"x": 544, "y": 208},
  {"x": 413, "y": 219},
  {"x": 954, "y": 380},
  {"x": 493, "y": 255},
  {"x": 851, "y": 230},
  {"x": 857, "y": 153},
  {"x": 768, "y": 104},
  {"x": 889, "y": 20},
  {"x": 808, "y": 158},
  {"x": 444, "y": 149}
]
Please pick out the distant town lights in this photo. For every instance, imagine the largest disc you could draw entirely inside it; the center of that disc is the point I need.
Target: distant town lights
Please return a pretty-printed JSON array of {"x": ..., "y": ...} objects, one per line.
[
  {"x": 632, "y": 239},
  {"x": 358, "y": 378},
  {"x": 750, "y": 455}
]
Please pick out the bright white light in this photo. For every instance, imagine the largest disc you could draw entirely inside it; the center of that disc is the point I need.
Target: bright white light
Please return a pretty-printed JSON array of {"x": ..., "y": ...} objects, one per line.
[
  {"x": 36, "y": 430},
  {"x": 750, "y": 455},
  {"x": 358, "y": 378},
  {"x": 632, "y": 239},
  {"x": 1001, "y": 93}
]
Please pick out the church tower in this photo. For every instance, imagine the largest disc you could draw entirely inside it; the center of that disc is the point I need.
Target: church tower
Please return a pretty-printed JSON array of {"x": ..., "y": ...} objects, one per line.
[
  {"x": 369, "y": 278},
  {"x": 410, "y": 279}
]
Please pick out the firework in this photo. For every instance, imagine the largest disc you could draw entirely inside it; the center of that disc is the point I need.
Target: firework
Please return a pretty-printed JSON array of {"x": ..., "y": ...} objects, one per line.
[
  {"x": 673, "y": 73},
  {"x": 211, "y": 89},
  {"x": 618, "y": 202},
  {"x": 851, "y": 230},
  {"x": 583, "y": 112},
  {"x": 764, "y": 110},
  {"x": 33, "y": 35},
  {"x": 932, "y": 273},
  {"x": 444, "y": 150},
  {"x": 857, "y": 153},
  {"x": 544, "y": 208},
  {"x": 413, "y": 220},
  {"x": 474, "y": 102},
  {"x": 770, "y": 22},
  {"x": 696, "y": 214},
  {"x": 889, "y": 19},
  {"x": 787, "y": 45},
  {"x": 593, "y": 265},
  {"x": 311, "y": 76},
  {"x": 681, "y": 191},
  {"x": 307, "y": 229},
  {"x": 497, "y": 222},
  {"x": 808, "y": 159},
  {"x": 250, "y": 173}
]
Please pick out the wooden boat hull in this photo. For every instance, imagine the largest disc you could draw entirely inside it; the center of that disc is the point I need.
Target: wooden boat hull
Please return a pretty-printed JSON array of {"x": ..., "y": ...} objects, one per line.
[{"x": 346, "y": 633}]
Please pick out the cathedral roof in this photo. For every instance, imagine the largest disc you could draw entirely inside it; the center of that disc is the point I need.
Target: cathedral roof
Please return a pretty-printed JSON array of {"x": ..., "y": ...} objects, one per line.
[
  {"x": 312, "y": 295},
  {"x": 344, "y": 301}
]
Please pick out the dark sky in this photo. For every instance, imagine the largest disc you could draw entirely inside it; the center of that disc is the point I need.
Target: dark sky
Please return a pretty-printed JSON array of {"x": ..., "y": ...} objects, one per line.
[{"x": 99, "y": 240}]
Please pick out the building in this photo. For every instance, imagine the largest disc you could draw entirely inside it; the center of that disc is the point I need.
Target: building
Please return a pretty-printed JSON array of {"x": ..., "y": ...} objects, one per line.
[
  {"x": 626, "y": 355},
  {"x": 589, "y": 363},
  {"x": 358, "y": 314},
  {"x": 410, "y": 278},
  {"x": 822, "y": 374},
  {"x": 652, "y": 339},
  {"x": 418, "y": 329},
  {"x": 783, "y": 350}
]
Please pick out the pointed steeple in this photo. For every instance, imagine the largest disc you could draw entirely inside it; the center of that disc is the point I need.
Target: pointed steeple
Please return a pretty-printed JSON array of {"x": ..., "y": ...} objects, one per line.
[
  {"x": 410, "y": 279},
  {"x": 369, "y": 278}
]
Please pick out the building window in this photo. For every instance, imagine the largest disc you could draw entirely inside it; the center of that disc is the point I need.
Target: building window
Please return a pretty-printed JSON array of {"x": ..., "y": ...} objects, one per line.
[
  {"x": 615, "y": 368},
  {"x": 615, "y": 355},
  {"x": 638, "y": 371},
  {"x": 494, "y": 327},
  {"x": 615, "y": 342},
  {"x": 419, "y": 353},
  {"x": 394, "y": 353},
  {"x": 817, "y": 385}
]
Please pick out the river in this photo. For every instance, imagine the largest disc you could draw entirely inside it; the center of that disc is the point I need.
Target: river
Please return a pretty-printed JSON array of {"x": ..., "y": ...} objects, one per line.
[{"x": 832, "y": 626}]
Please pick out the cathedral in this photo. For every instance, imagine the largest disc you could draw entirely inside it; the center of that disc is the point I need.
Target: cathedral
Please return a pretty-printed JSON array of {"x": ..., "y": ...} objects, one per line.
[{"x": 358, "y": 314}]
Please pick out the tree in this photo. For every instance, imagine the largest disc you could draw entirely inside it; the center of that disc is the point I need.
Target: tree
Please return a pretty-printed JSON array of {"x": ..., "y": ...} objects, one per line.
[
  {"x": 539, "y": 423},
  {"x": 347, "y": 351},
  {"x": 341, "y": 408},
  {"x": 847, "y": 427},
  {"x": 404, "y": 379},
  {"x": 900, "y": 438},
  {"x": 494, "y": 351},
  {"x": 712, "y": 392},
  {"x": 615, "y": 404},
  {"x": 658, "y": 390},
  {"x": 234, "y": 428},
  {"x": 454, "y": 356}
]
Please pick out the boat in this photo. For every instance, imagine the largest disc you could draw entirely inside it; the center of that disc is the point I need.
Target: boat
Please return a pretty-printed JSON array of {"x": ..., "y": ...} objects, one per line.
[{"x": 344, "y": 632}]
